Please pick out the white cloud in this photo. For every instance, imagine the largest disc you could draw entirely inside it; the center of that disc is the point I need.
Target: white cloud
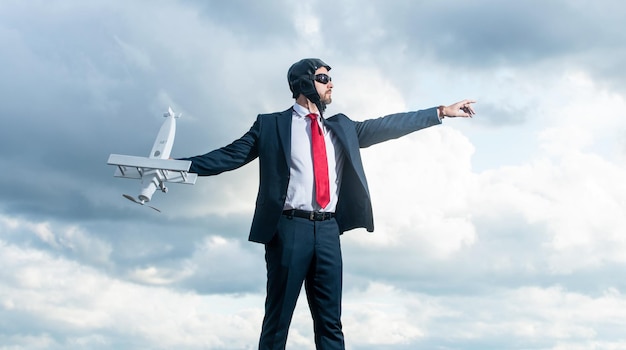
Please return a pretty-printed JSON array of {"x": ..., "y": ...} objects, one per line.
[
  {"x": 383, "y": 315},
  {"x": 374, "y": 317},
  {"x": 578, "y": 199},
  {"x": 420, "y": 187},
  {"x": 102, "y": 312},
  {"x": 71, "y": 240},
  {"x": 67, "y": 298}
]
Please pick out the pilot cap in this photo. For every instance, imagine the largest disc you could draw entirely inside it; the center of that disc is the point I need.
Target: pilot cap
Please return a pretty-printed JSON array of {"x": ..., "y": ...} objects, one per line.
[{"x": 301, "y": 76}]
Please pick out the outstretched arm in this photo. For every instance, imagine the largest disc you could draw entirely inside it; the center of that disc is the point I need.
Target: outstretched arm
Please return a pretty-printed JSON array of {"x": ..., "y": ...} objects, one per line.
[
  {"x": 238, "y": 153},
  {"x": 373, "y": 131}
]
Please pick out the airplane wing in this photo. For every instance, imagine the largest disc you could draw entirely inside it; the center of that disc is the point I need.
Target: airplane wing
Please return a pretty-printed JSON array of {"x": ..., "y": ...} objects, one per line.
[{"x": 169, "y": 170}]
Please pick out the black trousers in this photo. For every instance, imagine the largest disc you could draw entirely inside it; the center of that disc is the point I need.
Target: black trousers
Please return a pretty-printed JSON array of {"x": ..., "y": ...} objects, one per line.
[{"x": 310, "y": 252}]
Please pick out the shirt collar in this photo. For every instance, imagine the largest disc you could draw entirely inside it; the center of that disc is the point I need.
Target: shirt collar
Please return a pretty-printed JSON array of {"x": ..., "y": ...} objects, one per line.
[{"x": 301, "y": 111}]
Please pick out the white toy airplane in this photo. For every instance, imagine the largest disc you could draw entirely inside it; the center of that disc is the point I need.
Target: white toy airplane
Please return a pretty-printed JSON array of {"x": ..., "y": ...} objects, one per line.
[{"x": 155, "y": 170}]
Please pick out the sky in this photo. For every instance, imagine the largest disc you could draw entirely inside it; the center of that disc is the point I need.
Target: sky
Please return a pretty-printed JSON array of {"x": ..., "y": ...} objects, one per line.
[{"x": 504, "y": 231}]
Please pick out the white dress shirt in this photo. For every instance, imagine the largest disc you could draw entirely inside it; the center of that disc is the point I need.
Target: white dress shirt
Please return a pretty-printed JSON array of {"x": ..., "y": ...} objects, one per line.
[{"x": 301, "y": 189}]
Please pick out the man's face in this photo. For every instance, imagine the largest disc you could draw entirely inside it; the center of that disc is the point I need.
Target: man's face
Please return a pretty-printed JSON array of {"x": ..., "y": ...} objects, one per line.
[{"x": 324, "y": 90}]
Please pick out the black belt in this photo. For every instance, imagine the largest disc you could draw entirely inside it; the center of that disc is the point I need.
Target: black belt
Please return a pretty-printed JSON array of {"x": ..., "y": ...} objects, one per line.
[{"x": 311, "y": 215}]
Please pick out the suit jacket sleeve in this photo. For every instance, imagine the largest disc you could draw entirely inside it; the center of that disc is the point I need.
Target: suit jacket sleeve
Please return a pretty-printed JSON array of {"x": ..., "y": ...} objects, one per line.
[
  {"x": 237, "y": 154},
  {"x": 373, "y": 131}
]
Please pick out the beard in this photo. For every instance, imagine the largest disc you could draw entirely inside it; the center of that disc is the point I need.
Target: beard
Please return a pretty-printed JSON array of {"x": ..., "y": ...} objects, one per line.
[
  {"x": 320, "y": 101},
  {"x": 326, "y": 99}
]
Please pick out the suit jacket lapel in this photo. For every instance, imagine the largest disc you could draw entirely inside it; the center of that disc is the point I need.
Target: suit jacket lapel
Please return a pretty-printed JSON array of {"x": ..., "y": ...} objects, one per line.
[
  {"x": 351, "y": 149},
  {"x": 283, "y": 126},
  {"x": 339, "y": 132}
]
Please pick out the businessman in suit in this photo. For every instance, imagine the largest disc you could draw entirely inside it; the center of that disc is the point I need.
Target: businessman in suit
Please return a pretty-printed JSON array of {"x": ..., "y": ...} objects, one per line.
[{"x": 312, "y": 189}]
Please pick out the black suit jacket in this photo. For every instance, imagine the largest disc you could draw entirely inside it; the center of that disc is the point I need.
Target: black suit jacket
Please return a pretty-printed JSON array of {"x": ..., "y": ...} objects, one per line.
[{"x": 269, "y": 139}]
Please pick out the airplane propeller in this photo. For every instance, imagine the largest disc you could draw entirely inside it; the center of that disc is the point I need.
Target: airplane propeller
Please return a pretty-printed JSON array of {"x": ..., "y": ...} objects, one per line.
[{"x": 131, "y": 198}]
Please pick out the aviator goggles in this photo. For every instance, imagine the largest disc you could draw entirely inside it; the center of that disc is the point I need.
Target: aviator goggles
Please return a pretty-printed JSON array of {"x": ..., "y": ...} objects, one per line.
[{"x": 323, "y": 78}]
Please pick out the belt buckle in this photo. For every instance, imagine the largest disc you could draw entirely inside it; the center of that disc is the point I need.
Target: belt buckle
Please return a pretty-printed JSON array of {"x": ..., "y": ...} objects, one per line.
[{"x": 312, "y": 216}]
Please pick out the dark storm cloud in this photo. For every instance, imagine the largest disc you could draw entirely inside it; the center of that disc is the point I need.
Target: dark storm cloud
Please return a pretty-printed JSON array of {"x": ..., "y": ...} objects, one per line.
[
  {"x": 488, "y": 32},
  {"x": 483, "y": 35},
  {"x": 77, "y": 88},
  {"x": 255, "y": 22}
]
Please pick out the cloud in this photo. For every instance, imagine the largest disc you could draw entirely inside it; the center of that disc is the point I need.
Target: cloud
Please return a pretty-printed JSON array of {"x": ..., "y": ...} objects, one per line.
[
  {"x": 70, "y": 301},
  {"x": 503, "y": 231}
]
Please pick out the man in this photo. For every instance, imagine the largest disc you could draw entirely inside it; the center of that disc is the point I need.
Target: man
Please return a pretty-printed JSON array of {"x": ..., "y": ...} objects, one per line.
[{"x": 312, "y": 188}]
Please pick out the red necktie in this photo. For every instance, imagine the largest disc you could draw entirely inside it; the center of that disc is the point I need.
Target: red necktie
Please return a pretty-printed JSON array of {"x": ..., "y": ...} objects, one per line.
[{"x": 320, "y": 163}]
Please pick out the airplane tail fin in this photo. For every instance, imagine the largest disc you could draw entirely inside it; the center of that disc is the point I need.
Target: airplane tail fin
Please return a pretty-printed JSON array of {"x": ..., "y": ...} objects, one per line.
[{"x": 170, "y": 113}]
